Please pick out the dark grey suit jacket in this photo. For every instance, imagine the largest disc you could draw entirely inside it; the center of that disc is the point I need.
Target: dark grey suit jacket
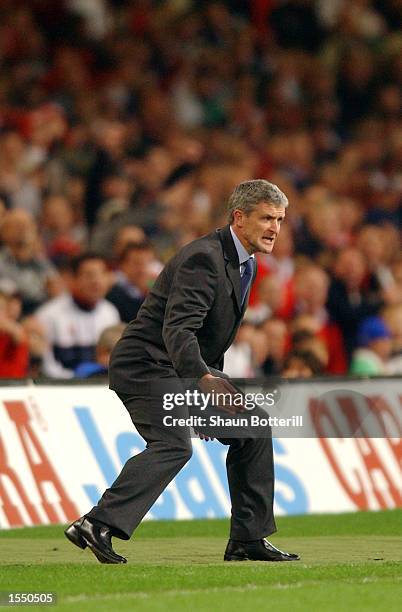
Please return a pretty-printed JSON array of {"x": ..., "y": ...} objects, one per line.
[{"x": 188, "y": 320}]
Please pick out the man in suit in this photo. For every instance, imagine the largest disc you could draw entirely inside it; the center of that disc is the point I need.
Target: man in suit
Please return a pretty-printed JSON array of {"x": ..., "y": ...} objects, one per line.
[{"x": 187, "y": 322}]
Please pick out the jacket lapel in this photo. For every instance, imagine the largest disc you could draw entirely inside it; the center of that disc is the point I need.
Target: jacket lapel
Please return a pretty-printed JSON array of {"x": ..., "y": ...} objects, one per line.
[{"x": 232, "y": 263}]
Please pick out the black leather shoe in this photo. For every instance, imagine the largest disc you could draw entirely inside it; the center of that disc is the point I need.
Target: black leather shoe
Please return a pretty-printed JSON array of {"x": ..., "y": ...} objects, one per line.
[
  {"x": 96, "y": 536},
  {"x": 258, "y": 550},
  {"x": 73, "y": 534}
]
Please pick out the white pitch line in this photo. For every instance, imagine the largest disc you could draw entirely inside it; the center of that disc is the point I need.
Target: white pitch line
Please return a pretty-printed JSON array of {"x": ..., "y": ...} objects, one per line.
[{"x": 235, "y": 589}]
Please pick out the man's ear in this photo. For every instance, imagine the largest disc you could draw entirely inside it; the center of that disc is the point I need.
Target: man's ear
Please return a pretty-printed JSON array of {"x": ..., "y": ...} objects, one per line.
[{"x": 238, "y": 217}]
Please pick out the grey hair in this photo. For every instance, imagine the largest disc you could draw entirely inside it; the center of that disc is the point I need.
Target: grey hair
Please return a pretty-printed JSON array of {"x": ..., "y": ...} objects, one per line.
[{"x": 248, "y": 194}]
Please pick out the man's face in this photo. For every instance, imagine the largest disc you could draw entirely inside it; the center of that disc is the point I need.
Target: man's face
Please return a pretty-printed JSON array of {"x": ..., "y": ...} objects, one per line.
[
  {"x": 351, "y": 267},
  {"x": 21, "y": 240},
  {"x": 259, "y": 229},
  {"x": 91, "y": 282}
]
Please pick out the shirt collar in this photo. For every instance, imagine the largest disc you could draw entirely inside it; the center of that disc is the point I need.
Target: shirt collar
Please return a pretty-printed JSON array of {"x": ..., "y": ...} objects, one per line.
[{"x": 241, "y": 251}]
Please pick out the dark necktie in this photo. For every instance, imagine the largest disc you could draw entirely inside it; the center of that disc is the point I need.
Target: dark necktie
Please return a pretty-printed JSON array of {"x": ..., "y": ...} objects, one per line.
[{"x": 246, "y": 278}]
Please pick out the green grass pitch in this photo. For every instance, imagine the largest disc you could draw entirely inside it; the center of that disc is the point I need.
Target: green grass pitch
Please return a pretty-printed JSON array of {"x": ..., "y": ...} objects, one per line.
[{"x": 349, "y": 562}]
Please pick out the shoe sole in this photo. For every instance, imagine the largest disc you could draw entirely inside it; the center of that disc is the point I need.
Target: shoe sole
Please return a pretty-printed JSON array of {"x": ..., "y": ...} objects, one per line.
[
  {"x": 236, "y": 558},
  {"x": 102, "y": 558}
]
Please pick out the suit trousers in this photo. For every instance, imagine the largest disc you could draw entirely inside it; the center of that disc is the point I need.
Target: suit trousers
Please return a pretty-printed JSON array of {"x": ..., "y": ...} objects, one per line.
[{"x": 249, "y": 465}]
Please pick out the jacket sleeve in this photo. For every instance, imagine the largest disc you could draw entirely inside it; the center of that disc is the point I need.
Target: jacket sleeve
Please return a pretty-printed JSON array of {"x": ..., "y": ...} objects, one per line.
[{"x": 190, "y": 299}]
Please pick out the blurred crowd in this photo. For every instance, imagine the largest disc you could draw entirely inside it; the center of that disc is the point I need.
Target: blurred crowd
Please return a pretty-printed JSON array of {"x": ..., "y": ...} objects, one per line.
[{"x": 126, "y": 124}]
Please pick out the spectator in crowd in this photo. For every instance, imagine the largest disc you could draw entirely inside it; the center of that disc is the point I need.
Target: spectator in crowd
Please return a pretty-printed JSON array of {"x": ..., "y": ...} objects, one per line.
[
  {"x": 372, "y": 242},
  {"x": 14, "y": 355},
  {"x": 375, "y": 346},
  {"x": 74, "y": 320},
  {"x": 276, "y": 340},
  {"x": 20, "y": 174},
  {"x": 38, "y": 345},
  {"x": 115, "y": 213},
  {"x": 22, "y": 262},
  {"x": 349, "y": 302},
  {"x": 322, "y": 230},
  {"x": 140, "y": 118},
  {"x": 104, "y": 347},
  {"x": 311, "y": 293},
  {"x": 270, "y": 299},
  {"x": 239, "y": 358},
  {"x": 304, "y": 338},
  {"x": 392, "y": 316},
  {"x": 134, "y": 277},
  {"x": 61, "y": 234},
  {"x": 301, "y": 364},
  {"x": 109, "y": 157},
  {"x": 396, "y": 269},
  {"x": 127, "y": 234}
]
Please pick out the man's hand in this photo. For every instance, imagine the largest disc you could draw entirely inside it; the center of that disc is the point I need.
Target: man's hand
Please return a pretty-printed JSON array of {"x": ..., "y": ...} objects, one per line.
[{"x": 217, "y": 385}]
